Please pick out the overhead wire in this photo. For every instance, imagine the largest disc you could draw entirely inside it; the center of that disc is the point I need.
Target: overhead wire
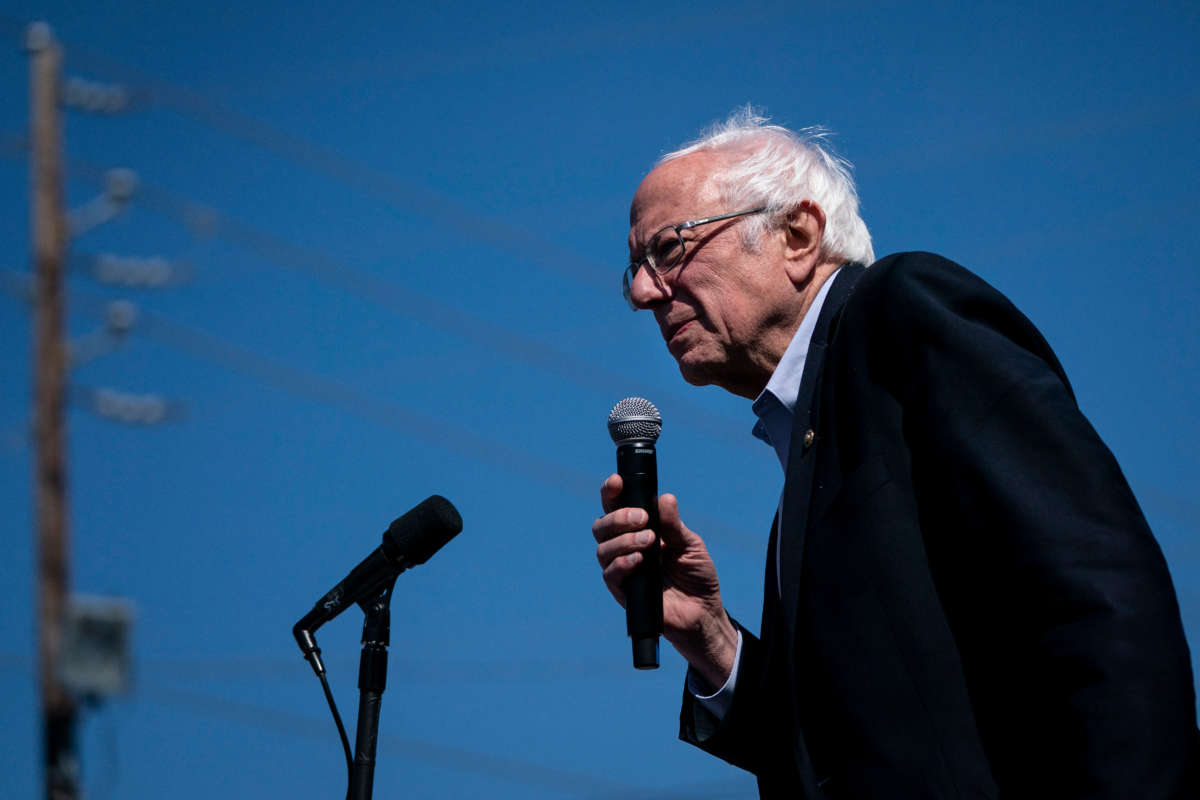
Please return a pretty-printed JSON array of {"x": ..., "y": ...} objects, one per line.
[
  {"x": 438, "y": 431},
  {"x": 396, "y": 192},
  {"x": 395, "y": 297},
  {"x": 399, "y": 194},
  {"x": 458, "y": 759},
  {"x": 407, "y": 668},
  {"x": 408, "y": 196},
  {"x": 251, "y": 668},
  {"x": 207, "y": 347},
  {"x": 541, "y": 776}
]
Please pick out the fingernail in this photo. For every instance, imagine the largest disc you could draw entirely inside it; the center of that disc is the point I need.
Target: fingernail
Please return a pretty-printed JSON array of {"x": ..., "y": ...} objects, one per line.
[
  {"x": 644, "y": 537},
  {"x": 634, "y": 516}
]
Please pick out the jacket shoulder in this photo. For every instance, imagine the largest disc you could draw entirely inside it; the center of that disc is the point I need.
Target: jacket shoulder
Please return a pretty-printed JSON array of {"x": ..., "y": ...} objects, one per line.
[
  {"x": 908, "y": 307},
  {"x": 906, "y": 276}
]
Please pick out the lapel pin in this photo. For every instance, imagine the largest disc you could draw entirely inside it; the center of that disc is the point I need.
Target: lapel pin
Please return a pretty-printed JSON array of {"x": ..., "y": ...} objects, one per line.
[{"x": 809, "y": 438}]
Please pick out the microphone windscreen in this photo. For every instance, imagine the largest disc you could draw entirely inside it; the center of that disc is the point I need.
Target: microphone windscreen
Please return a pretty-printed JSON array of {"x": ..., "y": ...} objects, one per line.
[
  {"x": 634, "y": 418},
  {"x": 422, "y": 530}
]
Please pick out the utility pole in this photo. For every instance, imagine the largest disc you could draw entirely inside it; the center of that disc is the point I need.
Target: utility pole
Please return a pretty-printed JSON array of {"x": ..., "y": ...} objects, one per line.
[{"x": 49, "y": 434}]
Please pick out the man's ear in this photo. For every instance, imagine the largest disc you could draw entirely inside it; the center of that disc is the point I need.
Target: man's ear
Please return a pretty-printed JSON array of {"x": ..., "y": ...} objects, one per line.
[{"x": 803, "y": 232}]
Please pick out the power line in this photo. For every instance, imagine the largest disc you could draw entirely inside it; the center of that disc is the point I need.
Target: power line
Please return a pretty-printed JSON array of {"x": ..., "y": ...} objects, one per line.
[
  {"x": 398, "y": 298},
  {"x": 438, "y": 431},
  {"x": 210, "y": 668},
  {"x": 207, "y": 347},
  {"x": 408, "y": 196},
  {"x": 458, "y": 759},
  {"x": 396, "y": 192},
  {"x": 454, "y": 758},
  {"x": 360, "y": 283},
  {"x": 740, "y": 789}
]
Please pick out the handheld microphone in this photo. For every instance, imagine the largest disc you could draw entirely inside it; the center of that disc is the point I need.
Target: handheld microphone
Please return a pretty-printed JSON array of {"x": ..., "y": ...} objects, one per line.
[
  {"x": 410, "y": 540},
  {"x": 634, "y": 425}
]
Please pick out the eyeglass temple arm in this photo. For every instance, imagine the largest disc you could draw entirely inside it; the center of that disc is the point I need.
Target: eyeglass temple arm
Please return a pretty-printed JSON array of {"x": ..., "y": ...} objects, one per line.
[{"x": 693, "y": 223}]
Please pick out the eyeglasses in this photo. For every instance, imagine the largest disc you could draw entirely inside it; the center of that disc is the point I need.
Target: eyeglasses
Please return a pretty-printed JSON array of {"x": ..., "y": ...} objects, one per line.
[{"x": 666, "y": 249}]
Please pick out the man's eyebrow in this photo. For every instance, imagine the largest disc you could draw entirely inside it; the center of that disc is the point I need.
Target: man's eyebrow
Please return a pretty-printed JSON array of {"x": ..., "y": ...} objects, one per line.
[{"x": 639, "y": 246}]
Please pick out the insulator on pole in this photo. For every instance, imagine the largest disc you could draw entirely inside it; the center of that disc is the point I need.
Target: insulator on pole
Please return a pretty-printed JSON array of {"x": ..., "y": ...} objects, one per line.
[
  {"x": 119, "y": 187},
  {"x": 38, "y": 36},
  {"x": 97, "y": 98},
  {"x": 149, "y": 272},
  {"x": 132, "y": 409},
  {"x": 120, "y": 183},
  {"x": 120, "y": 316}
]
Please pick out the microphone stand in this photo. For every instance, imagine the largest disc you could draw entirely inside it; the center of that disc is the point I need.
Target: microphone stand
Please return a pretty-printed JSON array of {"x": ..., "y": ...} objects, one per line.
[{"x": 372, "y": 680}]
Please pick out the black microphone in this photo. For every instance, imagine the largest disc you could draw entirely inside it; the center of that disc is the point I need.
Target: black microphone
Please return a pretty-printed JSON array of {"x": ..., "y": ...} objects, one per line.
[
  {"x": 408, "y": 541},
  {"x": 634, "y": 425}
]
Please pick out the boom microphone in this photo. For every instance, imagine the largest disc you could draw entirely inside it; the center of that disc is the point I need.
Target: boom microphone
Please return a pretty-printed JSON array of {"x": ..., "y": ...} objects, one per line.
[
  {"x": 634, "y": 425},
  {"x": 410, "y": 540}
]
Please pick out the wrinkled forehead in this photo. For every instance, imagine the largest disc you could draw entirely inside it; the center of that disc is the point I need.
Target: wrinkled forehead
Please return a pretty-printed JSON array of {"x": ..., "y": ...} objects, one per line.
[{"x": 676, "y": 191}]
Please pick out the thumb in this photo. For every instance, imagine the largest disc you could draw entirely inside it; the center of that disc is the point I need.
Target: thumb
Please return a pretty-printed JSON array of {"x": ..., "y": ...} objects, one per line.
[{"x": 673, "y": 532}]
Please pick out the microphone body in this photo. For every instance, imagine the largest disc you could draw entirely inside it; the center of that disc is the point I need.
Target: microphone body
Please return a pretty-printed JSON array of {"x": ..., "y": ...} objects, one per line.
[
  {"x": 634, "y": 425},
  {"x": 410, "y": 540},
  {"x": 637, "y": 465},
  {"x": 365, "y": 580}
]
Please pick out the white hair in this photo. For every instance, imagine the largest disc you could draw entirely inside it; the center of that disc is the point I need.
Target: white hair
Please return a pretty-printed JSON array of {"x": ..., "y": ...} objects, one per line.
[{"x": 779, "y": 168}]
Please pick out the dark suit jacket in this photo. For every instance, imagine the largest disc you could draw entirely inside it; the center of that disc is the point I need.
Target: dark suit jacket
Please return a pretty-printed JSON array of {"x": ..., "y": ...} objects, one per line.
[{"x": 972, "y": 603}]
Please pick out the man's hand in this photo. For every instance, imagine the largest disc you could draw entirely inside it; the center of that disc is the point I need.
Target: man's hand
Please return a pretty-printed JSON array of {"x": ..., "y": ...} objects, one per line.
[{"x": 694, "y": 620}]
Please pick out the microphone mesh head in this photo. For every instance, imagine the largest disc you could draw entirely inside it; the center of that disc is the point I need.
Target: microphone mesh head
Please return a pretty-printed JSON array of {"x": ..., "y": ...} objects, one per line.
[{"x": 634, "y": 418}]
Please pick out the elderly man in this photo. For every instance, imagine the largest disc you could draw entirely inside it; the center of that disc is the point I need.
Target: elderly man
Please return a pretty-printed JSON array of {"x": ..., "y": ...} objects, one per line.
[{"x": 962, "y": 598}]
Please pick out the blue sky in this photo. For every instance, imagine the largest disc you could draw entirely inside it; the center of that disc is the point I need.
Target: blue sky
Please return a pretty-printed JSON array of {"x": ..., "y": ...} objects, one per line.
[{"x": 408, "y": 284}]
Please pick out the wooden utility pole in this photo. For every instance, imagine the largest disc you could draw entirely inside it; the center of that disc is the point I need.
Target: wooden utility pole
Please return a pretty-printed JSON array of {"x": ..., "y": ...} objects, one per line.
[{"x": 49, "y": 434}]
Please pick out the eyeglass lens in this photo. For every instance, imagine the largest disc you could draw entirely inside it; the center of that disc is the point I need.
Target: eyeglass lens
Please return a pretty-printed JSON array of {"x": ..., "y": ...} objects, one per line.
[{"x": 664, "y": 250}]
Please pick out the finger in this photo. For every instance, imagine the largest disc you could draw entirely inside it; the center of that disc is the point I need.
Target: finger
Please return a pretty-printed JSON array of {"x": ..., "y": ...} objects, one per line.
[
  {"x": 616, "y": 573},
  {"x": 674, "y": 533},
  {"x": 610, "y": 491},
  {"x": 620, "y": 521},
  {"x": 623, "y": 545}
]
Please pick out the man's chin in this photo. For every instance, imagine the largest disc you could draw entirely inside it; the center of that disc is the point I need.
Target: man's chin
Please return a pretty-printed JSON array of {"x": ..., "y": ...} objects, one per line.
[
  {"x": 695, "y": 374},
  {"x": 704, "y": 374}
]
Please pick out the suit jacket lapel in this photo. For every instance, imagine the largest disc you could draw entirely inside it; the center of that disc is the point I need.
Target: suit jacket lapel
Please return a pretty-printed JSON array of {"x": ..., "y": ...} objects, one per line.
[{"x": 802, "y": 454}]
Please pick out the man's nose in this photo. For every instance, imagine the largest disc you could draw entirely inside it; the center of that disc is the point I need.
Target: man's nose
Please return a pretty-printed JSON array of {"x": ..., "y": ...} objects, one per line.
[{"x": 649, "y": 288}]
